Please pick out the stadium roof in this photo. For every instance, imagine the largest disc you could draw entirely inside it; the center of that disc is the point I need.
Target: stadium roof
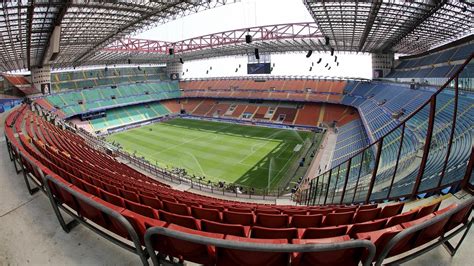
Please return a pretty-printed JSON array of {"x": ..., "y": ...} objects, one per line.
[
  {"x": 94, "y": 33},
  {"x": 26, "y": 26},
  {"x": 407, "y": 27}
]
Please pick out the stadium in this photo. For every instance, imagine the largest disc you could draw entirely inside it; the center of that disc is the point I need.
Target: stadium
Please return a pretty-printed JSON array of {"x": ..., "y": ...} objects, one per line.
[{"x": 229, "y": 132}]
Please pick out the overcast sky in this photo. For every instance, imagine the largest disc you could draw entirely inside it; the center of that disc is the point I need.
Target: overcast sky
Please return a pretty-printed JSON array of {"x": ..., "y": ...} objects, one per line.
[{"x": 249, "y": 13}]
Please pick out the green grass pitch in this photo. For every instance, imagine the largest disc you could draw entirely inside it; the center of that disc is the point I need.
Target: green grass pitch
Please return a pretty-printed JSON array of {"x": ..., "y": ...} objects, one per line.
[{"x": 238, "y": 154}]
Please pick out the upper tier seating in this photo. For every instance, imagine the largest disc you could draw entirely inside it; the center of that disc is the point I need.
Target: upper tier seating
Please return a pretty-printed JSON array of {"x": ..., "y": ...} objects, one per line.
[{"x": 80, "y": 79}]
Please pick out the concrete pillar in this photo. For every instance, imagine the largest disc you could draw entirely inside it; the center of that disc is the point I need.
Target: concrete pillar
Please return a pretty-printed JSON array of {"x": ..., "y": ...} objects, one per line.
[
  {"x": 174, "y": 70},
  {"x": 41, "y": 79},
  {"x": 382, "y": 64}
]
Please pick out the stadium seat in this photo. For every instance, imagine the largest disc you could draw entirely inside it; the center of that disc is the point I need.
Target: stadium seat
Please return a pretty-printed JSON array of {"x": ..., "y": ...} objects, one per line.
[
  {"x": 305, "y": 221},
  {"x": 208, "y": 214},
  {"x": 428, "y": 209},
  {"x": 267, "y": 211},
  {"x": 366, "y": 227},
  {"x": 176, "y": 208},
  {"x": 336, "y": 257},
  {"x": 345, "y": 209},
  {"x": 184, "y": 250},
  {"x": 380, "y": 237},
  {"x": 132, "y": 196},
  {"x": 401, "y": 218},
  {"x": 391, "y": 210},
  {"x": 91, "y": 189},
  {"x": 152, "y": 202},
  {"x": 182, "y": 220},
  {"x": 240, "y": 209},
  {"x": 294, "y": 212},
  {"x": 272, "y": 220},
  {"x": 111, "y": 198},
  {"x": 141, "y": 209},
  {"x": 433, "y": 231},
  {"x": 366, "y": 215},
  {"x": 367, "y": 206},
  {"x": 237, "y": 218},
  {"x": 231, "y": 257},
  {"x": 140, "y": 223},
  {"x": 274, "y": 233},
  {"x": 322, "y": 232},
  {"x": 226, "y": 229},
  {"x": 342, "y": 218},
  {"x": 460, "y": 217},
  {"x": 320, "y": 211}
]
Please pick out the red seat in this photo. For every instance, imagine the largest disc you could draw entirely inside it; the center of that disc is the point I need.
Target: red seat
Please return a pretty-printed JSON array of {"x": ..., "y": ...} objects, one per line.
[
  {"x": 226, "y": 229},
  {"x": 91, "y": 189},
  {"x": 141, "y": 223},
  {"x": 366, "y": 227},
  {"x": 267, "y": 211},
  {"x": 305, "y": 221},
  {"x": 460, "y": 217},
  {"x": 342, "y": 218},
  {"x": 272, "y": 220},
  {"x": 240, "y": 209},
  {"x": 401, "y": 218},
  {"x": 368, "y": 206},
  {"x": 323, "y": 232},
  {"x": 132, "y": 196},
  {"x": 345, "y": 209},
  {"x": 428, "y": 209},
  {"x": 237, "y": 218},
  {"x": 274, "y": 233},
  {"x": 208, "y": 214},
  {"x": 295, "y": 212},
  {"x": 391, "y": 210},
  {"x": 231, "y": 257},
  {"x": 151, "y": 201},
  {"x": 176, "y": 208},
  {"x": 141, "y": 209},
  {"x": 211, "y": 206},
  {"x": 366, "y": 215},
  {"x": 182, "y": 220},
  {"x": 185, "y": 250},
  {"x": 320, "y": 211},
  {"x": 380, "y": 237},
  {"x": 433, "y": 231},
  {"x": 111, "y": 198},
  {"x": 350, "y": 256}
]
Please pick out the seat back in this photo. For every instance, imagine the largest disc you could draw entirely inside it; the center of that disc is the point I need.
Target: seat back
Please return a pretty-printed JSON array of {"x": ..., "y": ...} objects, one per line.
[
  {"x": 345, "y": 209},
  {"x": 349, "y": 256},
  {"x": 401, "y": 218},
  {"x": 305, "y": 221},
  {"x": 272, "y": 220},
  {"x": 176, "y": 208},
  {"x": 460, "y": 217},
  {"x": 428, "y": 209},
  {"x": 367, "y": 227},
  {"x": 208, "y": 214},
  {"x": 324, "y": 232},
  {"x": 182, "y": 220},
  {"x": 231, "y": 257},
  {"x": 274, "y": 233},
  {"x": 333, "y": 219},
  {"x": 226, "y": 229},
  {"x": 237, "y": 218},
  {"x": 141, "y": 209},
  {"x": 151, "y": 201},
  {"x": 366, "y": 215},
  {"x": 391, "y": 210},
  {"x": 320, "y": 211},
  {"x": 368, "y": 206},
  {"x": 185, "y": 250},
  {"x": 380, "y": 237}
]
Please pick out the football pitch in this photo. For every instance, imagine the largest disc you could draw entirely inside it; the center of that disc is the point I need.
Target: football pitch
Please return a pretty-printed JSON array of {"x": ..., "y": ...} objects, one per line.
[{"x": 239, "y": 154}]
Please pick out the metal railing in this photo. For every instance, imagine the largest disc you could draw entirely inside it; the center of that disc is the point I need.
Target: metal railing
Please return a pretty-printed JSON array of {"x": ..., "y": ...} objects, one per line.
[
  {"x": 257, "y": 247},
  {"x": 430, "y": 150}
]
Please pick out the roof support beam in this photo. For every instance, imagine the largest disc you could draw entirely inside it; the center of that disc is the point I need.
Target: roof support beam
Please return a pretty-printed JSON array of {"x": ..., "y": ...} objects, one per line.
[
  {"x": 374, "y": 10},
  {"x": 57, "y": 22},
  {"x": 437, "y": 5},
  {"x": 29, "y": 19}
]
